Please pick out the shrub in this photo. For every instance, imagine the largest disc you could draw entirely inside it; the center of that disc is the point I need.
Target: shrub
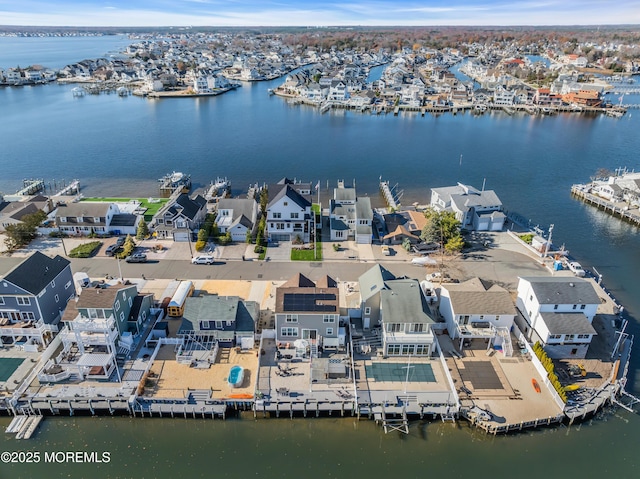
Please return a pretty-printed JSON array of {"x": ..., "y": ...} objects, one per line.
[
  {"x": 527, "y": 238},
  {"x": 200, "y": 245},
  {"x": 85, "y": 250},
  {"x": 258, "y": 249}
]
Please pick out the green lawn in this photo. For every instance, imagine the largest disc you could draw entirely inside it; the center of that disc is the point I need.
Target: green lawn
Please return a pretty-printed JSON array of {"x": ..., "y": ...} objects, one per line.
[
  {"x": 307, "y": 254},
  {"x": 152, "y": 207}
]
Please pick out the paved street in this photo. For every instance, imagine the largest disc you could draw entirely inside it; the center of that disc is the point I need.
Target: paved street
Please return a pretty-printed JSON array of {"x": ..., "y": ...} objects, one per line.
[{"x": 501, "y": 261}]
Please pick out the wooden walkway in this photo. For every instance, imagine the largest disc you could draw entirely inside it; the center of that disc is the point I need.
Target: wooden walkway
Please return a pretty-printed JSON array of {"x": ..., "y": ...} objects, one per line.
[{"x": 620, "y": 210}]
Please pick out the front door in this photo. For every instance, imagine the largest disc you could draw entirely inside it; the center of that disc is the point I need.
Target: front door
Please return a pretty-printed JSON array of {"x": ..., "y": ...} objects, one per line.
[{"x": 309, "y": 334}]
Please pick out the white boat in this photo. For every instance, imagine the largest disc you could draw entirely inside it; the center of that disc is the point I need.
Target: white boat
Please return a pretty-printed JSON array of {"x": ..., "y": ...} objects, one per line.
[
  {"x": 218, "y": 189},
  {"x": 78, "y": 91}
]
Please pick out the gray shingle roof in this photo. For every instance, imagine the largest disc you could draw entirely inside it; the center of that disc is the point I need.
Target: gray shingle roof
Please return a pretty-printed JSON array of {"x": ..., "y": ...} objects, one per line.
[
  {"x": 373, "y": 281},
  {"x": 288, "y": 191},
  {"x": 567, "y": 323},
  {"x": 563, "y": 290},
  {"x": 36, "y": 272},
  {"x": 471, "y": 297},
  {"x": 403, "y": 302}
]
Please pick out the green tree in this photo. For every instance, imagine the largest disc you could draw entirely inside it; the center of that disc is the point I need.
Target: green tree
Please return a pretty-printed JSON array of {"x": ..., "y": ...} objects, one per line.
[
  {"x": 143, "y": 230},
  {"x": 264, "y": 201},
  {"x": 248, "y": 238},
  {"x": 454, "y": 245},
  {"x": 441, "y": 226},
  {"x": 21, "y": 234},
  {"x": 203, "y": 235}
]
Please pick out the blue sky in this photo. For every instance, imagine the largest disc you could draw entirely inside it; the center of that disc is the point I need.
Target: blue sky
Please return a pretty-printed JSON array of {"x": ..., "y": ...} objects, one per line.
[{"x": 317, "y": 12}]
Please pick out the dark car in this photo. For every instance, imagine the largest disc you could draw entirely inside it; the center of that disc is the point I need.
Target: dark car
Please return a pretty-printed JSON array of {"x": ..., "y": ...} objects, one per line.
[
  {"x": 120, "y": 241},
  {"x": 112, "y": 249},
  {"x": 137, "y": 258}
]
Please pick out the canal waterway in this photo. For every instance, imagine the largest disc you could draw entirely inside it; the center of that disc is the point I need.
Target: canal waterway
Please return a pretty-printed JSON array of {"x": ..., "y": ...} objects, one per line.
[{"x": 120, "y": 146}]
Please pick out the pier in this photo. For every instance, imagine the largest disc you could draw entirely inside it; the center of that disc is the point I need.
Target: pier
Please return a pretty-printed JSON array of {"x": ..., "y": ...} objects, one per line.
[
  {"x": 30, "y": 187},
  {"x": 24, "y": 426},
  {"x": 620, "y": 209},
  {"x": 391, "y": 197}
]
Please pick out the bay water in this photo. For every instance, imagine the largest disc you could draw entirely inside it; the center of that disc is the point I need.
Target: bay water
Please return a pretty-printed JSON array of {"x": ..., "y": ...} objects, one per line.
[{"x": 119, "y": 146}]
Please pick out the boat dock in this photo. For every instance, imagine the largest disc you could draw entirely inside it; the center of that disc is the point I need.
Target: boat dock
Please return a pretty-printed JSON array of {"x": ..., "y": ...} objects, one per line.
[
  {"x": 618, "y": 209},
  {"x": 24, "y": 426},
  {"x": 72, "y": 188},
  {"x": 30, "y": 187},
  {"x": 173, "y": 182},
  {"x": 391, "y": 197}
]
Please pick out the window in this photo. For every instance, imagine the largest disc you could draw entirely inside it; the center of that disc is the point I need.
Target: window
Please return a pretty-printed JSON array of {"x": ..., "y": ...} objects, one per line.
[
  {"x": 277, "y": 215},
  {"x": 57, "y": 298},
  {"x": 24, "y": 300},
  {"x": 122, "y": 316},
  {"x": 79, "y": 219},
  {"x": 531, "y": 297},
  {"x": 555, "y": 306},
  {"x": 63, "y": 219},
  {"x": 422, "y": 349},
  {"x": 204, "y": 325},
  {"x": 96, "y": 219},
  {"x": 555, "y": 336},
  {"x": 417, "y": 328},
  {"x": 582, "y": 306},
  {"x": 394, "y": 327},
  {"x": 328, "y": 318},
  {"x": 286, "y": 203},
  {"x": 569, "y": 337},
  {"x": 367, "y": 310},
  {"x": 393, "y": 349},
  {"x": 294, "y": 216},
  {"x": 68, "y": 285},
  {"x": 130, "y": 301},
  {"x": 407, "y": 349},
  {"x": 584, "y": 336},
  {"x": 575, "y": 306},
  {"x": 289, "y": 332},
  {"x": 229, "y": 323},
  {"x": 329, "y": 331},
  {"x": 28, "y": 316},
  {"x": 118, "y": 305},
  {"x": 53, "y": 283},
  {"x": 291, "y": 318},
  {"x": 219, "y": 325}
]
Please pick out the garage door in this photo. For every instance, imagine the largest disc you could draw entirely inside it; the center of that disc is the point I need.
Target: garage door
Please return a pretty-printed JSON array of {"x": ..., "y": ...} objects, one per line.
[{"x": 180, "y": 236}]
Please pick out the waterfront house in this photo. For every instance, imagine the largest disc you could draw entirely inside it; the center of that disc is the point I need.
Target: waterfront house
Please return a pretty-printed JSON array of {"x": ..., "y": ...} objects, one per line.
[
  {"x": 12, "y": 212},
  {"x": 237, "y": 216},
  {"x": 84, "y": 218},
  {"x": 476, "y": 210},
  {"x": 400, "y": 309},
  {"x": 309, "y": 312},
  {"x": 558, "y": 312},
  {"x": 179, "y": 216},
  {"x": 404, "y": 225},
  {"x": 33, "y": 296},
  {"x": 474, "y": 310},
  {"x": 211, "y": 320},
  {"x": 289, "y": 216},
  {"x": 351, "y": 217}
]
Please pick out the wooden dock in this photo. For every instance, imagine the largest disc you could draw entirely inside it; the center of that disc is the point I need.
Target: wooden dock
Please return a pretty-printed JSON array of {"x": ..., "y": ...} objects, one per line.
[
  {"x": 391, "y": 198},
  {"x": 620, "y": 210},
  {"x": 24, "y": 426}
]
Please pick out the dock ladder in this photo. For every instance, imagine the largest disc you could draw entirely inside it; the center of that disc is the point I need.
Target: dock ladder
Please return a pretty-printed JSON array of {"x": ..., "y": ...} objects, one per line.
[{"x": 390, "y": 424}]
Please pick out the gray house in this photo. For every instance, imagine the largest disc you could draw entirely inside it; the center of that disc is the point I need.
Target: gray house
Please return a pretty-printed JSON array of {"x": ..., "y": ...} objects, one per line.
[
  {"x": 310, "y": 312},
  {"x": 226, "y": 320},
  {"x": 35, "y": 292},
  {"x": 179, "y": 217}
]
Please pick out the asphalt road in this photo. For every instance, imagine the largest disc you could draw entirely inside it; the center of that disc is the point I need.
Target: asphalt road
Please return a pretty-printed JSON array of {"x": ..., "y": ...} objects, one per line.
[{"x": 494, "y": 264}]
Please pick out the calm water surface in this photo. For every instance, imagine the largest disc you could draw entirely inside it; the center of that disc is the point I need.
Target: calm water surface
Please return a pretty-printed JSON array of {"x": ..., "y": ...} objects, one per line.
[{"x": 117, "y": 146}]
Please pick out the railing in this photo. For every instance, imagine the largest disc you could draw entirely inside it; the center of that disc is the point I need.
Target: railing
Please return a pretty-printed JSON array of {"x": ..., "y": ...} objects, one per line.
[{"x": 445, "y": 368}]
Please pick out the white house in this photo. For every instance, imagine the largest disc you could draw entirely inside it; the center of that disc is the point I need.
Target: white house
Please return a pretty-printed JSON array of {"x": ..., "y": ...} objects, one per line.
[
  {"x": 474, "y": 311},
  {"x": 289, "y": 216},
  {"x": 476, "y": 210},
  {"x": 84, "y": 218},
  {"x": 237, "y": 216},
  {"x": 558, "y": 312},
  {"x": 503, "y": 97},
  {"x": 351, "y": 217}
]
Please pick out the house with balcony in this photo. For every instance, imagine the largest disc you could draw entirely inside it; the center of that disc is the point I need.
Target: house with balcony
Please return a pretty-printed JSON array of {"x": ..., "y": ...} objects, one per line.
[
  {"x": 179, "y": 217},
  {"x": 475, "y": 310},
  {"x": 399, "y": 307},
  {"x": 289, "y": 216},
  {"x": 237, "y": 216},
  {"x": 33, "y": 296},
  {"x": 307, "y": 315},
  {"x": 476, "y": 210},
  {"x": 558, "y": 312},
  {"x": 210, "y": 320},
  {"x": 351, "y": 217}
]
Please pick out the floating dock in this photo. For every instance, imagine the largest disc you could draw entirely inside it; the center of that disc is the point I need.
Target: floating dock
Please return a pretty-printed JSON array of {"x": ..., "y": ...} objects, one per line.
[{"x": 24, "y": 426}]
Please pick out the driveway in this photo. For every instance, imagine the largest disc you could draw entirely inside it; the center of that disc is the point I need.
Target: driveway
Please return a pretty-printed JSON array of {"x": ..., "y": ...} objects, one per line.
[{"x": 282, "y": 252}]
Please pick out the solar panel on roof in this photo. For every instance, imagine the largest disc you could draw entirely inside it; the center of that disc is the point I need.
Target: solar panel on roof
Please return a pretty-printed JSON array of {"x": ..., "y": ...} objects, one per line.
[{"x": 309, "y": 302}]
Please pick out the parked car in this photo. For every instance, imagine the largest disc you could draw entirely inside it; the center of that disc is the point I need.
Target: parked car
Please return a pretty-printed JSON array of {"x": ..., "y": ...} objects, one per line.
[
  {"x": 137, "y": 258},
  {"x": 203, "y": 259},
  {"x": 112, "y": 249},
  {"x": 576, "y": 268},
  {"x": 120, "y": 241},
  {"x": 386, "y": 250}
]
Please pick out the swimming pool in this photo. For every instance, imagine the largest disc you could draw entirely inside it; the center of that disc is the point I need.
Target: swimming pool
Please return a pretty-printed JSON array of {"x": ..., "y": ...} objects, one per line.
[
  {"x": 8, "y": 366},
  {"x": 236, "y": 376}
]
